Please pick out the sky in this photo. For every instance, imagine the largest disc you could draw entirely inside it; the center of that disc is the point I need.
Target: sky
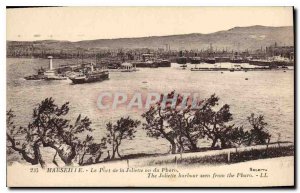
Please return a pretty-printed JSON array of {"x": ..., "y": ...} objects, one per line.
[{"x": 87, "y": 23}]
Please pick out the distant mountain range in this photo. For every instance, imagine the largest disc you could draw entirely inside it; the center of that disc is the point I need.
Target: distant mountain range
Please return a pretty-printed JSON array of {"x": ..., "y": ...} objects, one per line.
[{"x": 241, "y": 38}]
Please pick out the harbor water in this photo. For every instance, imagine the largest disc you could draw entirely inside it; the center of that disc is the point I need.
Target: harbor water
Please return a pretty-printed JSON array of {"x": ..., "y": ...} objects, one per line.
[{"x": 270, "y": 93}]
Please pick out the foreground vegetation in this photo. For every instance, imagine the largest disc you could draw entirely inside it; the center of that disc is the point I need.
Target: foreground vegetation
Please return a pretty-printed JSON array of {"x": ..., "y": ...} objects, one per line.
[
  {"x": 183, "y": 128},
  {"x": 225, "y": 158}
]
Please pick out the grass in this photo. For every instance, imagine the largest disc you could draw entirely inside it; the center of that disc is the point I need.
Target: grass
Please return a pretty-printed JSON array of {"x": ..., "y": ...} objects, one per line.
[{"x": 236, "y": 157}]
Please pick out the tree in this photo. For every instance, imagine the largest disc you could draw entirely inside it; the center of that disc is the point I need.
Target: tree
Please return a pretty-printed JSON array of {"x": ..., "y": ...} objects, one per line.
[
  {"x": 21, "y": 140},
  {"x": 50, "y": 128},
  {"x": 174, "y": 121},
  {"x": 125, "y": 128},
  {"x": 157, "y": 121},
  {"x": 258, "y": 135},
  {"x": 182, "y": 122},
  {"x": 214, "y": 124},
  {"x": 55, "y": 131},
  {"x": 89, "y": 147},
  {"x": 238, "y": 136}
]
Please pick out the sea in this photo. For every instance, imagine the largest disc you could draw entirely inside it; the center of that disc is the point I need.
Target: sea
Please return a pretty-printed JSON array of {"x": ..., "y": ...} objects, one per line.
[{"x": 270, "y": 93}]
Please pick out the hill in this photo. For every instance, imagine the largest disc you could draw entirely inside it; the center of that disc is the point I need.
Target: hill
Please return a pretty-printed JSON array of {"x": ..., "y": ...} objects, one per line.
[{"x": 240, "y": 38}]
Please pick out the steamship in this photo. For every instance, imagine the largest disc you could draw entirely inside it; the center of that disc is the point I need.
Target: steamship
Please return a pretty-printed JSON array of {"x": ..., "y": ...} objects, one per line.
[{"x": 89, "y": 76}]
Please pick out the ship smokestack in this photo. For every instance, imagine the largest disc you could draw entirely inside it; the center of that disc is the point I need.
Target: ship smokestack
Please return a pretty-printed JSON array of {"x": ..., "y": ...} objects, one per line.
[{"x": 50, "y": 62}]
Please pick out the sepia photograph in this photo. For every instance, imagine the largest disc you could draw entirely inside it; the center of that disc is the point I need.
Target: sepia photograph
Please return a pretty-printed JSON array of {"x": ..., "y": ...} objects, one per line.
[{"x": 150, "y": 96}]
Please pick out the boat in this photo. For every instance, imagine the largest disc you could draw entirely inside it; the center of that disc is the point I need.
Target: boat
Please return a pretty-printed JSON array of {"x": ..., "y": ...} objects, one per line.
[
  {"x": 236, "y": 58},
  {"x": 162, "y": 63},
  {"x": 281, "y": 61},
  {"x": 236, "y": 67},
  {"x": 195, "y": 60},
  {"x": 215, "y": 68},
  {"x": 145, "y": 64},
  {"x": 113, "y": 66},
  {"x": 39, "y": 76},
  {"x": 90, "y": 76},
  {"x": 222, "y": 59},
  {"x": 210, "y": 60},
  {"x": 127, "y": 67},
  {"x": 181, "y": 60},
  {"x": 260, "y": 62}
]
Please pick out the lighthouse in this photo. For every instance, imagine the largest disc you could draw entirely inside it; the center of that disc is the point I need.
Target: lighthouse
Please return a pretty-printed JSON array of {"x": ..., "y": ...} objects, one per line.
[
  {"x": 50, "y": 74},
  {"x": 50, "y": 62}
]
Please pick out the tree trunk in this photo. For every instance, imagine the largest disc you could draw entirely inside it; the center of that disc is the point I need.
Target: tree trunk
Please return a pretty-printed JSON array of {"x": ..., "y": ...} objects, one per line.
[
  {"x": 113, "y": 153},
  {"x": 38, "y": 156},
  {"x": 214, "y": 142},
  {"x": 65, "y": 157},
  {"x": 98, "y": 157},
  {"x": 193, "y": 146},
  {"x": 223, "y": 143},
  {"x": 26, "y": 157},
  {"x": 173, "y": 146},
  {"x": 81, "y": 159},
  {"x": 118, "y": 151}
]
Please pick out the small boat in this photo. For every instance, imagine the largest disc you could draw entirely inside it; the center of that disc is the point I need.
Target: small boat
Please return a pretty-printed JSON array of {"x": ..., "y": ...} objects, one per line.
[
  {"x": 246, "y": 78},
  {"x": 183, "y": 66}
]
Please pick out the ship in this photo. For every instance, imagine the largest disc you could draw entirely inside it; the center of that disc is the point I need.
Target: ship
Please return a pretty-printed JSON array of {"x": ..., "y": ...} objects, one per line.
[
  {"x": 195, "y": 60},
  {"x": 89, "y": 76},
  {"x": 181, "y": 60},
  {"x": 162, "y": 63},
  {"x": 39, "y": 76},
  {"x": 236, "y": 59},
  {"x": 222, "y": 59},
  {"x": 260, "y": 62},
  {"x": 210, "y": 60}
]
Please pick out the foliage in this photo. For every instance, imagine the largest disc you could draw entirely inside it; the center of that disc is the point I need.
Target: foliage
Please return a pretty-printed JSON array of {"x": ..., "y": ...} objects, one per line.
[
  {"x": 21, "y": 140},
  {"x": 214, "y": 124},
  {"x": 123, "y": 129},
  {"x": 258, "y": 133},
  {"x": 168, "y": 120},
  {"x": 50, "y": 128}
]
